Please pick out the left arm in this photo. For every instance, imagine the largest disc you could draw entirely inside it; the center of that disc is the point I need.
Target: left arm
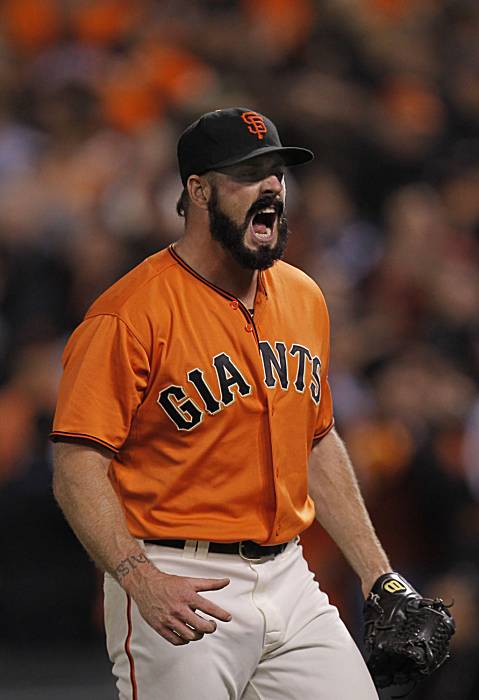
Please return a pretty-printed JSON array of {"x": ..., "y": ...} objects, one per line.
[
  {"x": 341, "y": 511},
  {"x": 407, "y": 636}
]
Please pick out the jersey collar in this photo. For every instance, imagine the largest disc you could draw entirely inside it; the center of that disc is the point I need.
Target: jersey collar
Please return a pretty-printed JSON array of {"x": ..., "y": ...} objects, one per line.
[{"x": 261, "y": 281}]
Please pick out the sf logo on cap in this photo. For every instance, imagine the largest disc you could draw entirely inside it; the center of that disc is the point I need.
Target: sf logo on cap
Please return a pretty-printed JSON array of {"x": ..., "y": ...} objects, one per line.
[
  {"x": 393, "y": 586},
  {"x": 255, "y": 123}
]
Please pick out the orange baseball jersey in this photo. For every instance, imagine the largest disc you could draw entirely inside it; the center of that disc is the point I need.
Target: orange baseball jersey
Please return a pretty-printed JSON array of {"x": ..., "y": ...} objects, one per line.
[{"x": 211, "y": 414}]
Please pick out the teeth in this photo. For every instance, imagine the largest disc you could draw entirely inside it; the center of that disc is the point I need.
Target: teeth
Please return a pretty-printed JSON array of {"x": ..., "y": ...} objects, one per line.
[{"x": 267, "y": 210}]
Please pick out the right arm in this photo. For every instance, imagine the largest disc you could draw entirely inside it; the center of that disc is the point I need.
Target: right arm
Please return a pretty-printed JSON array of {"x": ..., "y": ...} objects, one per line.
[{"x": 83, "y": 491}]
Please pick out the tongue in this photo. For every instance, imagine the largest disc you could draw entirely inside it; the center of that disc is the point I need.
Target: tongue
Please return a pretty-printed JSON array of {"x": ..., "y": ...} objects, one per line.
[{"x": 259, "y": 228}]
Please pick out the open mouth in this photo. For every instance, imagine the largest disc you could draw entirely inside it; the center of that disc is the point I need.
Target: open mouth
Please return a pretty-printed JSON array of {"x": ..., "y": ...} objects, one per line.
[{"x": 263, "y": 222}]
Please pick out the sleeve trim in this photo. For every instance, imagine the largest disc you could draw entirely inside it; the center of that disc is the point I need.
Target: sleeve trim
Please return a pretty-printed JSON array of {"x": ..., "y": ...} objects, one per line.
[
  {"x": 324, "y": 432},
  {"x": 57, "y": 435}
]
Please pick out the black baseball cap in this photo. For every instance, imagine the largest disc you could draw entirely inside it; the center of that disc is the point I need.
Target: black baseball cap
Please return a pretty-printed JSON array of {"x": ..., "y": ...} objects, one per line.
[{"x": 230, "y": 136}]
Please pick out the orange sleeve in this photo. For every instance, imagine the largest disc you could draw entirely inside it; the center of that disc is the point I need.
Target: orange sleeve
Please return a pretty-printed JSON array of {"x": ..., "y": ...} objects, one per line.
[
  {"x": 325, "y": 413},
  {"x": 106, "y": 371},
  {"x": 325, "y": 418}
]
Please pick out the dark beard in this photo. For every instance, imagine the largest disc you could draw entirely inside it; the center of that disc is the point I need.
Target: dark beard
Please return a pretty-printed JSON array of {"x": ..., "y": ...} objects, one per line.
[{"x": 231, "y": 236}]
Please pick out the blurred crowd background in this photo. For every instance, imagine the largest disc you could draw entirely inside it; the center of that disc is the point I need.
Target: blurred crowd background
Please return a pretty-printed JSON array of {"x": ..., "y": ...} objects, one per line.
[{"x": 93, "y": 96}]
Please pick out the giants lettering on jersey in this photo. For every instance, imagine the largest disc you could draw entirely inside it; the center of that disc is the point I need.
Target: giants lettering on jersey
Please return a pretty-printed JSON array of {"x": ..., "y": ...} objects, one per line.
[{"x": 279, "y": 366}]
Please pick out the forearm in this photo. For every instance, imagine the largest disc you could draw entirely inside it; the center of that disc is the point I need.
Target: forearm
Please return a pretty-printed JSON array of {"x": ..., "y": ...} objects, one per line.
[
  {"x": 84, "y": 493},
  {"x": 168, "y": 603},
  {"x": 341, "y": 511}
]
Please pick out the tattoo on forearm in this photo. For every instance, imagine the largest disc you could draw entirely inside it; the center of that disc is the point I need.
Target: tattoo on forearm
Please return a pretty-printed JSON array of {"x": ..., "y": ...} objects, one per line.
[{"x": 130, "y": 563}]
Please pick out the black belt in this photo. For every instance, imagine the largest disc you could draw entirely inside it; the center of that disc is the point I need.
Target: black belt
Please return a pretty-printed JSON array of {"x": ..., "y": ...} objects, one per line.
[{"x": 247, "y": 549}]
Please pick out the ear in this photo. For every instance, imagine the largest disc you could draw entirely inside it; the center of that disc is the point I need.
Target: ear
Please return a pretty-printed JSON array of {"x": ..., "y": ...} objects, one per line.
[{"x": 199, "y": 190}]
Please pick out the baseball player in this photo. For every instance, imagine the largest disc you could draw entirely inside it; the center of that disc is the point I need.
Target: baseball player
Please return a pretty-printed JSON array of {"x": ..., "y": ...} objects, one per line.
[{"x": 194, "y": 442}]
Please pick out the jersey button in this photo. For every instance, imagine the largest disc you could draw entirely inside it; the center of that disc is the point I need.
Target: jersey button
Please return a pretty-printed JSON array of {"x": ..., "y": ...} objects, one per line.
[
  {"x": 234, "y": 305},
  {"x": 248, "y": 328}
]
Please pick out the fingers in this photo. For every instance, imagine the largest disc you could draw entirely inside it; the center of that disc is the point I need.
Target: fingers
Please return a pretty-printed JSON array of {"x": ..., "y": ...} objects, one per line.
[
  {"x": 186, "y": 627},
  {"x": 192, "y": 627},
  {"x": 209, "y": 584},
  {"x": 187, "y": 633},
  {"x": 191, "y": 630},
  {"x": 172, "y": 637},
  {"x": 199, "y": 623},
  {"x": 210, "y": 608},
  {"x": 169, "y": 605},
  {"x": 206, "y": 606}
]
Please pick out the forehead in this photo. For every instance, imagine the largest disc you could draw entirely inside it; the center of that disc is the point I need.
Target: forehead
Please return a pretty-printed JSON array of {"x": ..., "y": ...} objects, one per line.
[{"x": 259, "y": 166}]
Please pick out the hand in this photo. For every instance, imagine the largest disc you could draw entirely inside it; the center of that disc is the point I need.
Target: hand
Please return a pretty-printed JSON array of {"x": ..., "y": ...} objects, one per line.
[{"x": 169, "y": 604}]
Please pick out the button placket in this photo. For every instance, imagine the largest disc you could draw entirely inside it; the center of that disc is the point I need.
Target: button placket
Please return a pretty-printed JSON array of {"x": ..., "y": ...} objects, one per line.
[{"x": 236, "y": 305}]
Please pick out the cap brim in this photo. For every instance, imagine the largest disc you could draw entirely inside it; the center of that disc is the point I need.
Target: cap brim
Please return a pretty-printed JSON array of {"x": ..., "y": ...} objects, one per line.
[{"x": 292, "y": 155}]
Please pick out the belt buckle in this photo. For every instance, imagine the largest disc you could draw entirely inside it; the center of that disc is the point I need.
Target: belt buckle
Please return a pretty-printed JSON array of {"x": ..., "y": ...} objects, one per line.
[{"x": 253, "y": 560}]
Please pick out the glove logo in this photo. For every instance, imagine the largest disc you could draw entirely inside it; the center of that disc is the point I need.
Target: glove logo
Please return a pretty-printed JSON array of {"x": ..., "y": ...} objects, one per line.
[{"x": 393, "y": 586}]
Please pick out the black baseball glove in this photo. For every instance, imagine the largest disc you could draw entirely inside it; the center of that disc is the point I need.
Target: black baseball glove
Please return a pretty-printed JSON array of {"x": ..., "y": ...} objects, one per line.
[{"x": 406, "y": 636}]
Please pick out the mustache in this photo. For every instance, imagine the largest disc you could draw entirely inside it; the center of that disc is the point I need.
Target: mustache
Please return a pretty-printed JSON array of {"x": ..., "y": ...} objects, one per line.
[{"x": 265, "y": 202}]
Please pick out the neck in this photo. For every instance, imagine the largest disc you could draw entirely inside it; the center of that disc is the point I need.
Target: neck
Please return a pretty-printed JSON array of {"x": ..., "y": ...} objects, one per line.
[{"x": 214, "y": 263}]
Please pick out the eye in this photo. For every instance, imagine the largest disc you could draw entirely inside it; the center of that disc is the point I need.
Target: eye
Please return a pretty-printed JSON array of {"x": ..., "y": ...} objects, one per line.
[
  {"x": 244, "y": 176},
  {"x": 279, "y": 174}
]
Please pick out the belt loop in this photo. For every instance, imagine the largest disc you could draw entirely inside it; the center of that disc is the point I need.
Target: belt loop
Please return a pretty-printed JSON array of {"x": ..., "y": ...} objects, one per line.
[
  {"x": 202, "y": 549},
  {"x": 189, "y": 550}
]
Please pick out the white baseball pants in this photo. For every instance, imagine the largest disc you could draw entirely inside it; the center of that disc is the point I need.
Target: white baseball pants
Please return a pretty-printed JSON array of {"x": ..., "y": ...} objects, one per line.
[{"x": 285, "y": 641}]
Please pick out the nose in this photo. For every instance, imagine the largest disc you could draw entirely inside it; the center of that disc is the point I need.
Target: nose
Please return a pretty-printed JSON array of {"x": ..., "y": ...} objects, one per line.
[{"x": 271, "y": 185}]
